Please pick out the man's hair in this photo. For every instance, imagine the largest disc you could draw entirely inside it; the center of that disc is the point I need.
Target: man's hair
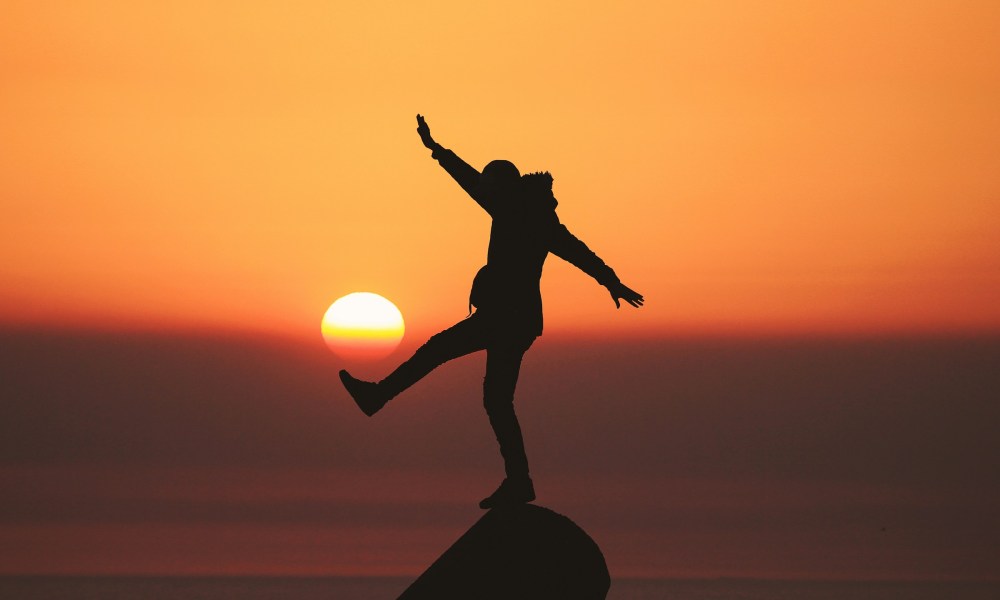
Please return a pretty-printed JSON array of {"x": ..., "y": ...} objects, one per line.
[{"x": 538, "y": 188}]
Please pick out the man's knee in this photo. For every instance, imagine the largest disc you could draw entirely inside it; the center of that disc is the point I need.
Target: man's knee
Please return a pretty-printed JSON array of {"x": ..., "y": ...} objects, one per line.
[{"x": 497, "y": 398}]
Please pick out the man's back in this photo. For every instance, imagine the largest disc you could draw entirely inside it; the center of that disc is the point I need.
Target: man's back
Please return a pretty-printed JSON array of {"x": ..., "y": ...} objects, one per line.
[{"x": 520, "y": 240}]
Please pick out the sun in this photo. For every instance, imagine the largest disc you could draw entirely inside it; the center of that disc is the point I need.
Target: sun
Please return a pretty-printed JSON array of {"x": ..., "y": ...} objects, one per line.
[{"x": 363, "y": 326}]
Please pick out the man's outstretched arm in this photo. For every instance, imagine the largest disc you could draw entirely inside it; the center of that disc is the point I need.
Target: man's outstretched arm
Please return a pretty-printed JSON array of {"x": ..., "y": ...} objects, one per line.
[
  {"x": 568, "y": 247},
  {"x": 463, "y": 173}
]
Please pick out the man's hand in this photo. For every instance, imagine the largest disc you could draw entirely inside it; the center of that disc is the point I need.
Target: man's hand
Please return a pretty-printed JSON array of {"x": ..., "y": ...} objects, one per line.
[
  {"x": 620, "y": 291},
  {"x": 425, "y": 133}
]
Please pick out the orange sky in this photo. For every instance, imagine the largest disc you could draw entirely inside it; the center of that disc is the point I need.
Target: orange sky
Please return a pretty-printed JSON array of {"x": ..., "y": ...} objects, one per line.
[{"x": 786, "y": 166}]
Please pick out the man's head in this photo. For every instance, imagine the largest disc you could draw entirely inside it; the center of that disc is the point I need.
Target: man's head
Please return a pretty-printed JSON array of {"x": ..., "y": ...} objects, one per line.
[{"x": 499, "y": 178}]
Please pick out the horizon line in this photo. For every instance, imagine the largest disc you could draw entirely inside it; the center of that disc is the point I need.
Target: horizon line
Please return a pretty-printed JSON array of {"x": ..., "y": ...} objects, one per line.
[{"x": 195, "y": 329}]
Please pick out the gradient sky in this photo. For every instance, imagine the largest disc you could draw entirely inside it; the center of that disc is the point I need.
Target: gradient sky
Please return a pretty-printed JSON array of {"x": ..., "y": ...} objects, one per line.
[
  {"x": 805, "y": 192},
  {"x": 756, "y": 166}
]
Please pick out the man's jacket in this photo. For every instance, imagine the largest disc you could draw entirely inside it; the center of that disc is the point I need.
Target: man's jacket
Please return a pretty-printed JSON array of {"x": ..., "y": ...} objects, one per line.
[{"x": 525, "y": 229}]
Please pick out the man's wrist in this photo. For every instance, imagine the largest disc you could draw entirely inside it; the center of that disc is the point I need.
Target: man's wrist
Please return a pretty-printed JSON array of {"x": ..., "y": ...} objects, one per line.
[{"x": 609, "y": 278}]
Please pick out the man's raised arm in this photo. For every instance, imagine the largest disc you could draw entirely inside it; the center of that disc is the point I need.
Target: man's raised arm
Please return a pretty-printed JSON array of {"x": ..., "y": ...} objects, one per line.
[
  {"x": 466, "y": 175},
  {"x": 568, "y": 247}
]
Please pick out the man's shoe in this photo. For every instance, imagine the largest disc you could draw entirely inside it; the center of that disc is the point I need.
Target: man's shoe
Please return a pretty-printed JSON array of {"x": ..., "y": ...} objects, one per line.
[
  {"x": 365, "y": 393},
  {"x": 511, "y": 492}
]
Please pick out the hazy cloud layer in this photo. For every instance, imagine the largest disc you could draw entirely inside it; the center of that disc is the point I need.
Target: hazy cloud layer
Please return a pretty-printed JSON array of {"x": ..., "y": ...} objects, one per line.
[{"x": 768, "y": 457}]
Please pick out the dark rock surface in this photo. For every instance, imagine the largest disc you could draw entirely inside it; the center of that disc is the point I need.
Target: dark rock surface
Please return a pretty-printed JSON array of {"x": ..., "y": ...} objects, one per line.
[{"x": 521, "y": 552}]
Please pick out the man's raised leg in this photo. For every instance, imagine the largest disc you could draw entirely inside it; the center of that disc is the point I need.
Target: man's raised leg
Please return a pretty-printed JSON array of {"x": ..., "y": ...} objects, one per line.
[{"x": 460, "y": 339}]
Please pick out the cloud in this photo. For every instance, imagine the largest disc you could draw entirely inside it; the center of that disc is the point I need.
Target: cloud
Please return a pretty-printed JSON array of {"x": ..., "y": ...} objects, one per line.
[{"x": 695, "y": 456}]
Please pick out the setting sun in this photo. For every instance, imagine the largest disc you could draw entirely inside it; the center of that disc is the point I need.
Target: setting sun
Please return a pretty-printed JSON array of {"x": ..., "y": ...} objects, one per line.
[{"x": 362, "y": 325}]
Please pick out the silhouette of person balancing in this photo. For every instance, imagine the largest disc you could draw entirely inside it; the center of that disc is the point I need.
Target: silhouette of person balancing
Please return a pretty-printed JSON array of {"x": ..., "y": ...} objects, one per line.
[{"x": 507, "y": 299}]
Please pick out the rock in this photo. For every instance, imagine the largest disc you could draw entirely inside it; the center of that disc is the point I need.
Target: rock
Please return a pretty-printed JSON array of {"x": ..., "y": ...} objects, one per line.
[{"x": 520, "y": 552}]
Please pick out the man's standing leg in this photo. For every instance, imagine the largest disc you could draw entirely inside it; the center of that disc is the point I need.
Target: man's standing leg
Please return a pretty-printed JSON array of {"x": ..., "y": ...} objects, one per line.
[{"x": 503, "y": 365}]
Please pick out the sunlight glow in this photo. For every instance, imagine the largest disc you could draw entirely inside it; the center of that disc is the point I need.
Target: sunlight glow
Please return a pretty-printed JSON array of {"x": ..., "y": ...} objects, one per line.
[{"x": 363, "y": 325}]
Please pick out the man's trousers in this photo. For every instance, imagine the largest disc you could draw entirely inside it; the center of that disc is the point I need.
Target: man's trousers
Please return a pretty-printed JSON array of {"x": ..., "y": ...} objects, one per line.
[{"x": 504, "y": 350}]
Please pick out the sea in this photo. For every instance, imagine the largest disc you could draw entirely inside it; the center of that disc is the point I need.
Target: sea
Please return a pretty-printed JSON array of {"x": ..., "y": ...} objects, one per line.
[{"x": 383, "y": 588}]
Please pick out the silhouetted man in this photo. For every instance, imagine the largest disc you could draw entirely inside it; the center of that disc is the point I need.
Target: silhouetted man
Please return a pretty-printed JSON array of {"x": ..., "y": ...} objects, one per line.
[{"x": 508, "y": 302}]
